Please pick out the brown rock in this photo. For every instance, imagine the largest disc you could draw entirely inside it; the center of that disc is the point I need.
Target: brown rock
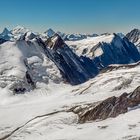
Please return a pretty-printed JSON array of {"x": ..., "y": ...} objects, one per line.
[{"x": 111, "y": 107}]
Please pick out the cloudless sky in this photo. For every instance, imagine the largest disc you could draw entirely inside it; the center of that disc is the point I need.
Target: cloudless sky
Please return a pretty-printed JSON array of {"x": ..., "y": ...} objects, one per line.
[{"x": 78, "y": 16}]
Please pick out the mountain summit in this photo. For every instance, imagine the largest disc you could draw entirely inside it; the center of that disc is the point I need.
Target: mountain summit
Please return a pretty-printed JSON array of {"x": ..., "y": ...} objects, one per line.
[
  {"x": 49, "y": 33},
  {"x": 6, "y": 34},
  {"x": 134, "y": 37}
]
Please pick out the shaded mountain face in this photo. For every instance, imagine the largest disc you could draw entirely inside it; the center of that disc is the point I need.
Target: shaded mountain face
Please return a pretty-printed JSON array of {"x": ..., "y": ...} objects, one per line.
[
  {"x": 17, "y": 33},
  {"x": 107, "y": 49},
  {"x": 49, "y": 33},
  {"x": 2, "y": 40},
  {"x": 119, "y": 51},
  {"x": 134, "y": 37},
  {"x": 74, "y": 69},
  {"x": 6, "y": 34},
  {"x": 29, "y": 61}
]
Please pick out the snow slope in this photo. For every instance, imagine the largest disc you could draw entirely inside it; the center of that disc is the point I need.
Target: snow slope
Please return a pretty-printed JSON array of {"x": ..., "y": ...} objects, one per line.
[
  {"x": 20, "y": 57},
  {"x": 87, "y": 44},
  {"x": 42, "y": 69},
  {"x": 41, "y": 115},
  {"x": 106, "y": 49}
]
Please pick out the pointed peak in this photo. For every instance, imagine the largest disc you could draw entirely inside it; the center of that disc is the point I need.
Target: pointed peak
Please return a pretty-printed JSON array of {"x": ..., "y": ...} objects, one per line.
[
  {"x": 133, "y": 32},
  {"x": 134, "y": 36},
  {"x": 55, "y": 42},
  {"x": 121, "y": 35},
  {"x": 49, "y": 32},
  {"x": 5, "y": 32}
]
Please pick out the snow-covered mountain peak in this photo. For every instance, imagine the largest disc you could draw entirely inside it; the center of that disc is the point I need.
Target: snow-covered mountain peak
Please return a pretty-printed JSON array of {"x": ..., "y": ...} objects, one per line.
[
  {"x": 75, "y": 36},
  {"x": 49, "y": 33},
  {"x": 94, "y": 40},
  {"x": 106, "y": 50},
  {"x": 5, "y": 32},
  {"x": 94, "y": 53},
  {"x": 6, "y": 35},
  {"x": 135, "y": 30},
  {"x": 24, "y": 64},
  {"x": 83, "y": 47},
  {"x": 55, "y": 42},
  {"x": 134, "y": 37},
  {"x": 28, "y": 36},
  {"x": 19, "y": 30},
  {"x": 121, "y": 35}
]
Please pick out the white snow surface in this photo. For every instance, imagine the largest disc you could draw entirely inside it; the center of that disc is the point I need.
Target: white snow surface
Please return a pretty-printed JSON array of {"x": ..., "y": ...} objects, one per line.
[
  {"x": 19, "y": 110},
  {"x": 14, "y": 55},
  {"x": 19, "y": 30},
  {"x": 89, "y": 45},
  {"x": 41, "y": 114}
]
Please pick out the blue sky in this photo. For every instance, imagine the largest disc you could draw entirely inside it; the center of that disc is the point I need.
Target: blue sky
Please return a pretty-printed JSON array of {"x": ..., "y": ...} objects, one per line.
[{"x": 79, "y": 16}]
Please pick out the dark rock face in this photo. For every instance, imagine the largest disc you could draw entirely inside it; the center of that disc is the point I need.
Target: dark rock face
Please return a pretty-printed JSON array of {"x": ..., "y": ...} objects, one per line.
[
  {"x": 29, "y": 80},
  {"x": 119, "y": 51},
  {"x": 19, "y": 90},
  {"x": 2, "y": 40},
  {"x": 74, "y": 69},
  {"x": 134, "y": 98},
  {"x": 6, "y": 34},
  {"x": 110, "y": 107},
  {"x": 134, "y": 35},
  {"x": 114, "y": 67}
]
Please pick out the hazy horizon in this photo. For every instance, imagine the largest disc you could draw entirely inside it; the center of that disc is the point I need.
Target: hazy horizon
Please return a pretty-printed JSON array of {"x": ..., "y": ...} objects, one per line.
[{"x": 91, "y": 16}]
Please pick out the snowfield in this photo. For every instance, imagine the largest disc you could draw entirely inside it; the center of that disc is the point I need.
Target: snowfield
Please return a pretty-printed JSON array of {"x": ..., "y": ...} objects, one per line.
[
  {"x": 40, "y": 81},
  {"x": 42, "y": 114},
  {"x": 90, "y": 43}
]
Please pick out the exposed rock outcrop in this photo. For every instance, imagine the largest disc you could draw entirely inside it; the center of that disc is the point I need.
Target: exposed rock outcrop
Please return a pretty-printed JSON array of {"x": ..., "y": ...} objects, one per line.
[
  {"x": 74, "y": 69},
  {"x": 110, "y": 107},
  {"x": 116, "y": 67},
  {"x": 134, "y": 35}
]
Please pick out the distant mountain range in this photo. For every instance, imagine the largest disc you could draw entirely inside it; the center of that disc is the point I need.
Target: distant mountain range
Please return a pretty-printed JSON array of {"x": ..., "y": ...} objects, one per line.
[
  {"x": 68, "y": 37},
  {"x": 59, "y": 57},
  {"x": 60, "y": 86}
]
